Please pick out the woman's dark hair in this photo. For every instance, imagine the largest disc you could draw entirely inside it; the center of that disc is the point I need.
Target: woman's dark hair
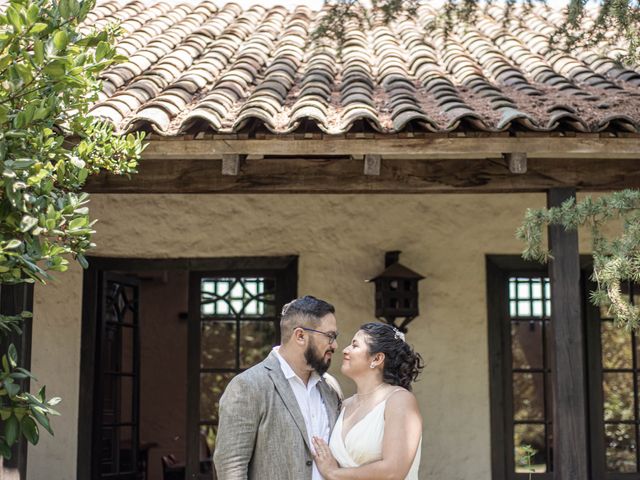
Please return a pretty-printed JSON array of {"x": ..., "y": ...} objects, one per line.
[{"x": 401, "y": 364}]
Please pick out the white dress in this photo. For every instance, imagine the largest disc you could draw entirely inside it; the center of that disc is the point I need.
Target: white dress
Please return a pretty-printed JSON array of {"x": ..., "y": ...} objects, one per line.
[{"x": 363, "y": 443}]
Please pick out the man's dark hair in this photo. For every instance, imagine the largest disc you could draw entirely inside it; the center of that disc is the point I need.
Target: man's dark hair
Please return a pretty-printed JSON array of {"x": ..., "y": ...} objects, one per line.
[{"x": 305, "y": 312}]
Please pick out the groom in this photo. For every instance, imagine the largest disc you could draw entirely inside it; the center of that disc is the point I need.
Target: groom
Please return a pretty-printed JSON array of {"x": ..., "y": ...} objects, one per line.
[{"x": 269, "y": 413}]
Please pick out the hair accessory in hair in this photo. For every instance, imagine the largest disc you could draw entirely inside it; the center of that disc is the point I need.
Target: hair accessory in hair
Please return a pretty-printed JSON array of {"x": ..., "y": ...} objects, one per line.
[{"x": 398, "y": 334}]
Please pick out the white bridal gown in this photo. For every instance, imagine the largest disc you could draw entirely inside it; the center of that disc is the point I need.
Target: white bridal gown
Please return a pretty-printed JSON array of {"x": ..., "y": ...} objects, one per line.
[{"x": 363, "y": 443}]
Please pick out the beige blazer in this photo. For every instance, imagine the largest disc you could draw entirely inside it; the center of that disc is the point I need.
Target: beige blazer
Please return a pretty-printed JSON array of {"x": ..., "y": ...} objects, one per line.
[{"x": 261, "y": 431}]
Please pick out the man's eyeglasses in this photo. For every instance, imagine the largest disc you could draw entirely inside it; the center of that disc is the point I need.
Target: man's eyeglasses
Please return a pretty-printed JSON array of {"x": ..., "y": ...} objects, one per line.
[{"x": 332, "y": 336}]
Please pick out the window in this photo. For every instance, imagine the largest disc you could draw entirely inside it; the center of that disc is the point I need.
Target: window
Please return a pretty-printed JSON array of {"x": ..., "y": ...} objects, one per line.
[
  {"x": 233, "y": 325},
  {"x": 238, "y": 327},
  {"x": 521, "y": 396},
  {"x": 521, "y": 378},
  {"x": 615, "y": 413},
  {"x": 529, "y": 316}
]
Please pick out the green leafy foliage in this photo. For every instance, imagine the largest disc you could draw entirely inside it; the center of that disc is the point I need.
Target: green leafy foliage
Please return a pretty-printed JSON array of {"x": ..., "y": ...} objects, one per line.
[
  {"x": 616, "y": 259},
  {"x": 21, "y": 413},
  {"x": 49, "y": 145}
]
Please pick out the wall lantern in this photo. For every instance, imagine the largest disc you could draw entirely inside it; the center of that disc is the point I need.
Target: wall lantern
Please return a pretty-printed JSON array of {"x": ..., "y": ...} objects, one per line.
[{"x": 396, "y": 292}]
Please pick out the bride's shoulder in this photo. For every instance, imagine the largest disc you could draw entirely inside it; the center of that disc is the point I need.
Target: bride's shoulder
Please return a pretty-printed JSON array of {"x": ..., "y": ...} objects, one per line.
[{"x": 401, "y": 397}]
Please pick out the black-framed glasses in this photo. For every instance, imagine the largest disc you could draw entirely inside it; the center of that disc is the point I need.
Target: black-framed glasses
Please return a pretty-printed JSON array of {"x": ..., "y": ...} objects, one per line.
[{"x": 332, "y": 336}]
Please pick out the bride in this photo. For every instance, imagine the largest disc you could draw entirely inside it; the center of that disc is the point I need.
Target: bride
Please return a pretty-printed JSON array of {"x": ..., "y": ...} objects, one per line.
[{"x": 378, "y": 434}]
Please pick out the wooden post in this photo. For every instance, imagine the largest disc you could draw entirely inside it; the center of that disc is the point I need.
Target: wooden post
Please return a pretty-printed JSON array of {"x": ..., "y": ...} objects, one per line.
[
  {"x": 567, "y": 341},
  {"x": 517, "y": 162},
  {"x": 372, "y": 164},
  {"x": 230, "y": 164}
]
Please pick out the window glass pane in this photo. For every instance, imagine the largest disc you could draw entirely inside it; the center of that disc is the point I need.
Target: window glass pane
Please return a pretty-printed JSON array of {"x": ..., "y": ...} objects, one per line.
[
  {"x": 211, "y": 387},
  {"x": 536, "y": 288},
  {"x": 222, "y": 287},
  {"x": 620, "y": 447},
  {"x": 537, "y": 308},
  {"x": 256, "y": 341},
  {"x": 528, "y": 396},
  {"x": 616, "y": 346},
  {"x": 617, "y": 389},
  {"x": 238, "y": 296},
  {"x": 526, "y": 344},
  {"x": 529, "y": 297},
  {"x": 604, "y": 312},
  {"x": 126, "y": 352},
  {"x": 126, "y": 399},
  {"x": 218, "y": 344},
  {"x": 523, "y": 290},
  {"x": 207, "y": 445},
  {"x": 531, "y": 436},
  {"x": 524, "y": 309}
]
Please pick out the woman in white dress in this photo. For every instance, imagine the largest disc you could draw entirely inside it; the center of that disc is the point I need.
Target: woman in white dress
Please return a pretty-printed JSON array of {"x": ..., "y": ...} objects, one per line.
[{"x": 378, "y": 434}]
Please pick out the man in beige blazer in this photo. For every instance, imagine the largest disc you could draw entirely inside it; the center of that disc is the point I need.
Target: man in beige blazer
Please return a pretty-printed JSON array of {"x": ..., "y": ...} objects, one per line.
[{"x": 269, "y": 413}]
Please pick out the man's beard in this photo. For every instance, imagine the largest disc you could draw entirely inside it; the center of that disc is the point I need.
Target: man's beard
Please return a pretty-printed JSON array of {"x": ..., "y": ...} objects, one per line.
[{"x": 315, "y": 361}]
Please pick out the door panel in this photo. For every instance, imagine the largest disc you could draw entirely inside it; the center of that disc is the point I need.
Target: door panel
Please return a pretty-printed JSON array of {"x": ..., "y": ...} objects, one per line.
[
  {"x": 116, "y": 422},
  {"x": 233, "y": 324}
]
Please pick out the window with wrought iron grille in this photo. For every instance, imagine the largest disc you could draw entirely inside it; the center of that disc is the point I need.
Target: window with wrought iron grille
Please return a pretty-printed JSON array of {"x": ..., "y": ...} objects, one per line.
[
  {"x": 615, "y": 413},
  {"x": 521, "y": 369},
  {"x": 529, "y": 317},
  {"x": 238, "y": 328},
  {"x": 234, "y": 322}
]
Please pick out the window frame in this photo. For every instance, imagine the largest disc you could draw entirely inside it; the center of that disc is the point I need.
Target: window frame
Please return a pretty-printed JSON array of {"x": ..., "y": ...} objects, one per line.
[
  {"x": 596, "y": 397},
  {"x": 499, "y": 269},
  {"x": 286, "y": 289}
]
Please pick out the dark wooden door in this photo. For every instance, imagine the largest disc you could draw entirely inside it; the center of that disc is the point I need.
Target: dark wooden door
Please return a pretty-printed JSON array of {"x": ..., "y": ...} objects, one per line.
[
  {"x": 233, "y": 324},
  {"x": 117, "y": 410}
]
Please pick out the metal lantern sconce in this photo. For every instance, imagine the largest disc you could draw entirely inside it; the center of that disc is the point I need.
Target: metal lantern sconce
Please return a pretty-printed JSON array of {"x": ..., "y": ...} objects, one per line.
[{"x": 396, "y": 292}]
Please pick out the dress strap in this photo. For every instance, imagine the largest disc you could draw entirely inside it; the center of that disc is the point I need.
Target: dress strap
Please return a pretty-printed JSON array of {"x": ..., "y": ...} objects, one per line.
[{"x": 394, "y": 391}]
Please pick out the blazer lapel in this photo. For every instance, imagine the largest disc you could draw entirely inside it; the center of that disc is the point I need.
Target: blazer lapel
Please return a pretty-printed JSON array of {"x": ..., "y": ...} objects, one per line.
[
  {"x": 331, "y": 402},
  {"x": 289, "y": 399}
]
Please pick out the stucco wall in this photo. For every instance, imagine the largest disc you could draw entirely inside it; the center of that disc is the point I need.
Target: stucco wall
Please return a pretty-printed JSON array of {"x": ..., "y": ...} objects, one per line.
[{"x": 341, "y": 241}]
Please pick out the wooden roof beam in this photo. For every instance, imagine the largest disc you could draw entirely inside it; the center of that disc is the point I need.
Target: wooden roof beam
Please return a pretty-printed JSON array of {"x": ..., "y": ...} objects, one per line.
[{"x": 419, "y": 148}]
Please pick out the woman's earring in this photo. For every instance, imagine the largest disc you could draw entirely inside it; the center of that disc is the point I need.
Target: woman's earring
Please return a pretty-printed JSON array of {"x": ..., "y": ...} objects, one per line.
[{"x": 372, "y": 366}]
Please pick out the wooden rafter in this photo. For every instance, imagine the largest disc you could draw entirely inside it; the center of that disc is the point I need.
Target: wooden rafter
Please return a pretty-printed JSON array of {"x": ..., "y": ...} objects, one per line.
[
  {"x": 344, "y": 175},
  {"x": 583, "y": 147}
]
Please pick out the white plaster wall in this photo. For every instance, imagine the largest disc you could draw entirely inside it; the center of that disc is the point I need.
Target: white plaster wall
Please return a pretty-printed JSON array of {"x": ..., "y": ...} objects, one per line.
[
  {"x": 341, "y": 241},
  {"x": 55, "y": 358}
]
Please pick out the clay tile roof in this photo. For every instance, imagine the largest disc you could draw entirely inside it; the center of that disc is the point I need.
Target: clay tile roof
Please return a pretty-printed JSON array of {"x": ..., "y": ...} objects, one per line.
[{"x": 221, "y": 68}]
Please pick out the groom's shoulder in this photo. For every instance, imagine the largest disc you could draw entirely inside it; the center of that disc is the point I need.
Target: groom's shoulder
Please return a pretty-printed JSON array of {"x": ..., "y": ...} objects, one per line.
[{"x": 254, "y": 376}]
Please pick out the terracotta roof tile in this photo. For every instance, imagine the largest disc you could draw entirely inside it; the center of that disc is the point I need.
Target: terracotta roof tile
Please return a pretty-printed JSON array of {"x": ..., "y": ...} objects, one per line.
[{"x": 226, "y": 69}]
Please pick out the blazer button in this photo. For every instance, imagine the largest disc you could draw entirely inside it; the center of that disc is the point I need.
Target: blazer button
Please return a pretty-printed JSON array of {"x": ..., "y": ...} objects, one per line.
[{"x": 309, "y": 463}]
